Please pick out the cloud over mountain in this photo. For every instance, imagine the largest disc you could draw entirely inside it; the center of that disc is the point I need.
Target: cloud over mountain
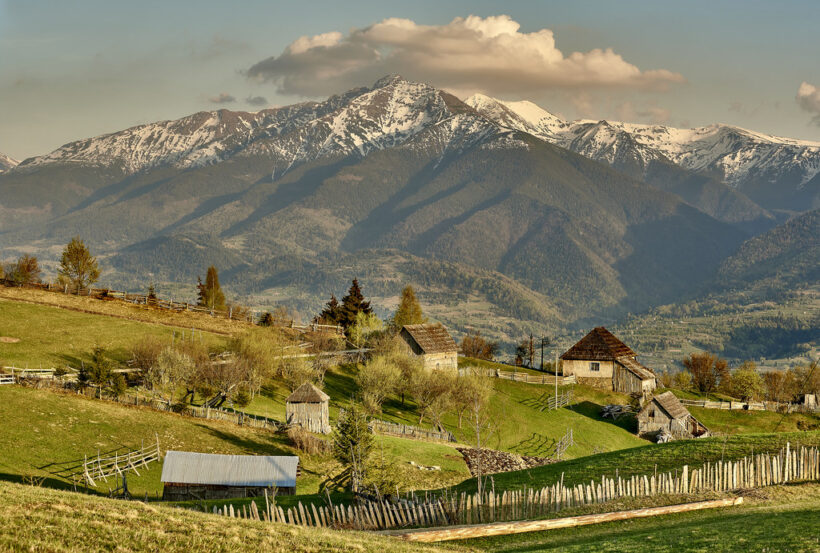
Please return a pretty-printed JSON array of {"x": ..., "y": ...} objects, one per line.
[
  {"x": 488, "y": 54},
  {"x": 808, "y": 98},
  {"x": 222, "y": 98}
]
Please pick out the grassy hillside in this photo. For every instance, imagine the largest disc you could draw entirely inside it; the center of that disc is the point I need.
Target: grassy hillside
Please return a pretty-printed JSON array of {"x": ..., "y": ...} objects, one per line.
[
  {"x": 52, "y": 336},
  {"x": 775, "y": 520},
  {"x": 44, "y": 432},
  {"x": 36, "y": 519},
  {"x": 645, "y": 459}
]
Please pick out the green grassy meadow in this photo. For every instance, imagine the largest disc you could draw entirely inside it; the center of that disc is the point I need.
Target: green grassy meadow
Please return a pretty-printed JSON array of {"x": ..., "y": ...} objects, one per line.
[{"x": 54, "y": 337}]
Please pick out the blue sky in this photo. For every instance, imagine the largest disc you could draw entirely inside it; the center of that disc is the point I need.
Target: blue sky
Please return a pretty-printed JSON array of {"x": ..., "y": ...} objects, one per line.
[{"x": 70, "y": 70}]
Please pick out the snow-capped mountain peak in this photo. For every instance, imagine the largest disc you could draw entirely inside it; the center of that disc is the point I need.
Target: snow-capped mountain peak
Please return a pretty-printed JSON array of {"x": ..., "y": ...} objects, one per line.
[{"x": 7, "y": 162}]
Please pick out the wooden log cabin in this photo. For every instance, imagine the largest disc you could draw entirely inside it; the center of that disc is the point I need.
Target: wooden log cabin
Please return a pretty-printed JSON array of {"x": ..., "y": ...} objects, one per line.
[
  {"x": 308, "y": 406},
  {"x": 601, "y": 360},
  {"x": 433, "y": 344},
  {"x": 187, "y": 475},
  {"x": 665, "y": 412}
]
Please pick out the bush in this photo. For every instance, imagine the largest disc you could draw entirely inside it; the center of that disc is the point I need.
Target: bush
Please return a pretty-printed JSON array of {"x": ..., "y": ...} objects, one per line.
[{"x": 307, "y": 443}]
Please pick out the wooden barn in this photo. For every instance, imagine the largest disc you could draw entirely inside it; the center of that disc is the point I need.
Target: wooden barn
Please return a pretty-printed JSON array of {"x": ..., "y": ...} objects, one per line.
[
  {"x": 433, "y": 344},
  {"x": 665, "y": 412},
  {"x": 187, "y": 475},
  {"x": 308, "y": 407},
  {"x": 601, "y": 360}
]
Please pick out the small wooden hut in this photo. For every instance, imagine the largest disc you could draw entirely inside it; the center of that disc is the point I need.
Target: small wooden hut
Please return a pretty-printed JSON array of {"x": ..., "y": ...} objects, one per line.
[
  {"x": 665, "y": 413},
  {"x": 435, "y": 346},
  {"x": 308, "y": 407},
  {"x": 187, "y": 475}
]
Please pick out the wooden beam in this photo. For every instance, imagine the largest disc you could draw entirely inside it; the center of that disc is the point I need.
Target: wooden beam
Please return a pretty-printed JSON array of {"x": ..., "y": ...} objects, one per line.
[{"x": 505, "y": 528}]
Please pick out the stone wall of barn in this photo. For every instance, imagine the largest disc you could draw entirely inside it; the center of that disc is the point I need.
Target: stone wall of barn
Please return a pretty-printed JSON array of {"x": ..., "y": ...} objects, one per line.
[
  {"x": 447, "y": 361},
  {"x": 581, "y": 369}
]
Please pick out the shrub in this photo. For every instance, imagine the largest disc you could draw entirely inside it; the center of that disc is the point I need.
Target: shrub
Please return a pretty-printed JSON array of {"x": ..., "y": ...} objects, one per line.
[{"x": 307, "y": 443}]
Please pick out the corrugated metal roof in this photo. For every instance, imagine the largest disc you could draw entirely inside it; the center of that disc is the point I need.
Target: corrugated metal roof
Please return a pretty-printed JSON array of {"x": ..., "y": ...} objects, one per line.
[{"x": 186, "y": 467}]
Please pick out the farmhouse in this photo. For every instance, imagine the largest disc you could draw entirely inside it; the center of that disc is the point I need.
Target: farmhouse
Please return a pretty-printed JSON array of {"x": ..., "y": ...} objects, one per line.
[
  {"x": 187, "y": 475},
  {"x": 601, "y": 360},
  {"x": 433, "y": 344},
  {"x": 308, "y": 407},
  {"x": 665, "y": 413}
]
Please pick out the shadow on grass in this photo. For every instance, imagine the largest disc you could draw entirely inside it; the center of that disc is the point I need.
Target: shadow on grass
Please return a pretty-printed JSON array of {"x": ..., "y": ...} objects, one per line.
[
  {"x": 269, "y": 446},
  {"x": 536, "y": 445},
  {"x": 592, "y": 411}
]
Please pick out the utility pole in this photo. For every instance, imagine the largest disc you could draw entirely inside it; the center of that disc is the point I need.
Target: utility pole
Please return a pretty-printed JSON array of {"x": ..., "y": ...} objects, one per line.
[{"x": 532, "y": 352}]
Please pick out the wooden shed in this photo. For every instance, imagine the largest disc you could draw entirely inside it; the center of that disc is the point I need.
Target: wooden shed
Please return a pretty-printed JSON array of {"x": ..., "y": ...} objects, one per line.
[
  {"x": 433, "y": 344},
  {"x": 601, "y": 360},
  {"x": 187, "y": 475},
  {"x": 665, "y": 412},
  {"x": 308, "y": 407}
]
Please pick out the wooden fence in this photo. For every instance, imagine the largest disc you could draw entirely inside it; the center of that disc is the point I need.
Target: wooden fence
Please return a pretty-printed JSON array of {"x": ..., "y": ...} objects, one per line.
[
  {"x": 556, "y": 402},
  {"x": 518, "y": 376},
  {"x": 754, "y": 471},
  {"x": 410, "y": 431},
  {"x": 566, "y": 442},
  {"x": 6, "y": 379},
  {"x": 749, "y": 406},
  {"x": 103, "y": 468}
]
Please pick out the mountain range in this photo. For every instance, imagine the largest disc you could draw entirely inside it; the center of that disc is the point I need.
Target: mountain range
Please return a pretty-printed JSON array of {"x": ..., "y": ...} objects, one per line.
[{"x": 504, "y": 216}]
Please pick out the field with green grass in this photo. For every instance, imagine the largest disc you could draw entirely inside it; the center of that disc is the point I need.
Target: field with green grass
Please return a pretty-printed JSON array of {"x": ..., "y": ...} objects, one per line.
[
  {"x": 782, "y": 519},
  {"x": 37, "y": 519},
  {"x": 46, "y": 336},
  {"x": 646, "y": 459}
]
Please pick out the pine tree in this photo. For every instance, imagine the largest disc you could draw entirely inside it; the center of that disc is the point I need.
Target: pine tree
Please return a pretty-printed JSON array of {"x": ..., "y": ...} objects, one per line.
[
  {"x": 332, "y": 313},
  {"x": 409, "y": 310},
  {"x": 353, "y": 304},
  {"x": 353, "y": 444},
  {"x": 210, "y": 293}
]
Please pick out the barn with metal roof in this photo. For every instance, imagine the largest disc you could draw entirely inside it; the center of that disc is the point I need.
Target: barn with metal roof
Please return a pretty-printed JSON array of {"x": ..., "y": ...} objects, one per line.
[{"x": 188, "y": 475}]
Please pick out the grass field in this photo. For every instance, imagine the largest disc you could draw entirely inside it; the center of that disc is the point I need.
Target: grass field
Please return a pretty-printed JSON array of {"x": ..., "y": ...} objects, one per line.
[
  {"x": 44, "y": 431},
  {"x": 774, "y": 520},
  {"x": 646, "y": 459},
  {"x": 55, "y": 337},
  {"x": 37, "y": 519}
]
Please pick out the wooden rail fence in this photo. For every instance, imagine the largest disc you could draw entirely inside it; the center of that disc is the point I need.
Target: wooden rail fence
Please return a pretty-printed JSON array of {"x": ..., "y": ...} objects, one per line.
[
  {"x": 754, "y": 471},
  {"x": 748, "y": 406},
  {"x": 518, "y": 376},
  {"x": 103, "y": 468},
  {"x": 410, "y": 431}
]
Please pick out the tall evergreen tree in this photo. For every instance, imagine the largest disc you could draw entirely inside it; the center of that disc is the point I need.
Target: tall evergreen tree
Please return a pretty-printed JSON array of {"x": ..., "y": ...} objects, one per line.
[
  {"x": 332, "y": 313},
  {"x": 409, "y": 310},
  {"x": 353, "y": 444},
  {"x": 210, "y": 293},
  {"x": 353, "y": 304}
]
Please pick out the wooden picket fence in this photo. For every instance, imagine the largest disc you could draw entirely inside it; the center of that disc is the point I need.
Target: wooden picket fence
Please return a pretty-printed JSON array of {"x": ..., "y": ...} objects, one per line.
[{"x": 754, "y": 471}]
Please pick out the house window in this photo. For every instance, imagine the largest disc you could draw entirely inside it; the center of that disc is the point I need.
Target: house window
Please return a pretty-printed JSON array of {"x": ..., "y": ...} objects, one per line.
[{"x": 594, "y": 366}]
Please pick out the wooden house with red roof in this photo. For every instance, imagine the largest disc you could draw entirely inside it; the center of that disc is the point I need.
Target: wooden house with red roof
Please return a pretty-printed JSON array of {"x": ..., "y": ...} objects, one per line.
[
  {"x": 600, "y": 359},
  {"x": 433, "y": 344}
]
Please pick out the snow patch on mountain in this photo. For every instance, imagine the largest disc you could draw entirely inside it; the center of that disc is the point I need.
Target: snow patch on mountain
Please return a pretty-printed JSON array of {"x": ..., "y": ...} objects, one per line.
[{"x": 7, "y": 162}]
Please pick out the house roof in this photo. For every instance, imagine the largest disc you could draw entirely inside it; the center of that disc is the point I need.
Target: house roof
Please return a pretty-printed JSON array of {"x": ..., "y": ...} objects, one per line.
[
  {"x": 307, "y": 393},
  {"x": 630, "y": 364},
  {"x": 186, "y": 467},
  {"x": 431, "y": 338},
  {"x": 598, "y": 345},
  {"x": 672, "y": 405}
]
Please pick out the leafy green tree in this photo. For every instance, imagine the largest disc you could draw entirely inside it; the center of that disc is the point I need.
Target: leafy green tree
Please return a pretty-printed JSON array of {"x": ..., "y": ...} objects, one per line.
[
  {"x": 353, "y": 444},
  {"x": 77, "y": 266},
  {"x": 365, "y": 325},
  {"x": 210, "y": 293},
  {"x": 747, "y": 384},
  {"x": 409, "y": 310},
  {"x": 353, "y": 304},
  {"x": 378, "y": 379},
  {"x": 25, "y": 271}
]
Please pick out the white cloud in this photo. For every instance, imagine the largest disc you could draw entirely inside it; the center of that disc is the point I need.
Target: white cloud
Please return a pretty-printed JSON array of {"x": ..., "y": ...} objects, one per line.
[
  {"x": 808, "y": 98},
  {"x": 468, "y": 54},
  {"x": 222, "y": 98}
]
